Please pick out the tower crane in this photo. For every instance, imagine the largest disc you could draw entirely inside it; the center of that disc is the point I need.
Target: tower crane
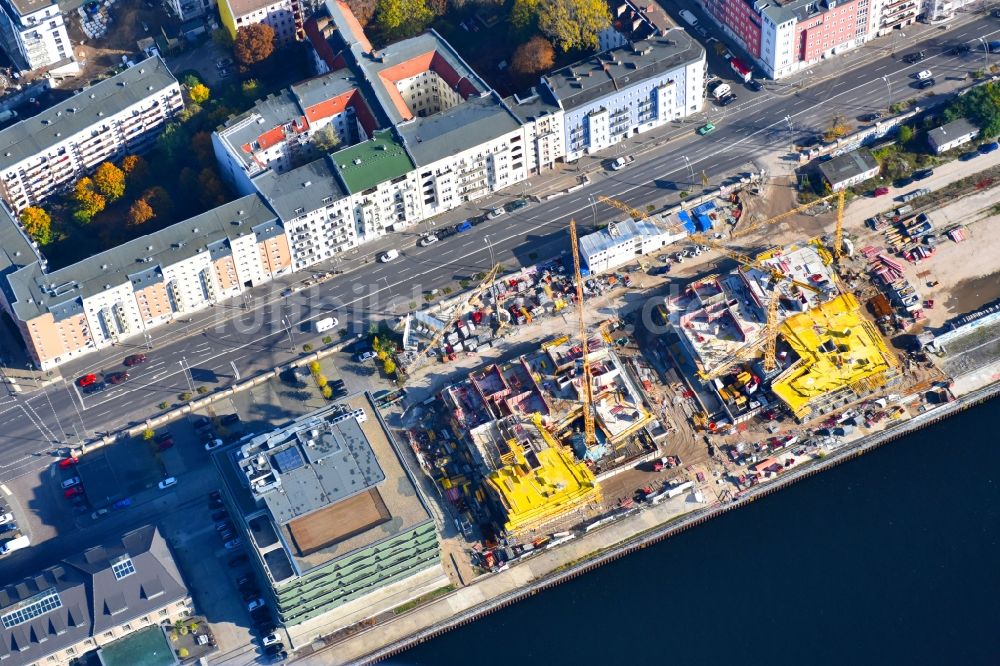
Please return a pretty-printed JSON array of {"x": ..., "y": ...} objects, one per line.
[
  {"x": 838, "y": 236},
  {"x": 589, "y": 429}
]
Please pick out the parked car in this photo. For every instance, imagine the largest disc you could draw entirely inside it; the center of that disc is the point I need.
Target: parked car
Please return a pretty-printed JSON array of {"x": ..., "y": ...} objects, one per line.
[
  {"x": 201, "y": 422},
  {"x": 167, "y": 482},
  {"x": 989, "y": 147},
  {"x": 495, "y": 213},
  {"x": 72, "y": 481},
  {"x": 364, "y": 356},
  {"x": 755, "y": 85},
  {"x": 73, "y": 492},
  {"x": 276, "y": 648},
  {"x": 96, "y": 387},
  {"x": 270, "y": 639},
  {"x": 965, "y": 157},
  {"x": 914, "y": 58},
  {"x": 213, "y": 444},
  {"x": 881, "y": 191},
  {"x": 255, "y": 604},
  {"x": 220, "y": 515},
  {"x": 872, "y": 117},
  {"x": 224, "y": 524},
  {"x": 234, "y": 544},
  {"x": 389, "y": 255},
  {"x": 97, "y": 514},
  {"x": 264, "y": 626},
  {"x": 727, "y": 100},
  {"x": 9, "y": 527},
  {"x": 135, "y": 359},
  {"x": 923, "y": 173},
  {"x": 86, "y": 380},
  {"x": 230, "y": 419},
  {"x": 690, "y": 18},
  {"x": 117, "y": 377},
  {"x": 66, "y": 463},
  {"x": 706, "y": 129},
  {"x": 516, "y": 204},
  {"x": 6, "y": 518},
  {"x": 122, "y": 503},
  {"x": 463, "y": 226},
  {"x": 164, "y": 441},
  {"x": 429, "y": 239}
]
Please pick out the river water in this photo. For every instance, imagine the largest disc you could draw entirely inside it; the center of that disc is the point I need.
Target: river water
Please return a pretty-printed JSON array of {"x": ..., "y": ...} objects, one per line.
[{"x": 893, "y": 558}]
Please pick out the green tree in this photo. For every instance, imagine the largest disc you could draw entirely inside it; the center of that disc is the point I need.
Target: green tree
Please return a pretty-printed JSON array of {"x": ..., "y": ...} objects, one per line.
[
  {"x": 38, "y": 224},
  {"x": 327, "y": 391},
  {"x": 402, "y": 18},
  {"x": 981, "y": 105},
  {"x": 190, "y": 81},
  {"x": 148, "y": 434},
  {"x": 524, "y": 15},
  {"x": 905, "y": 134},
  {"x": 325, "y": 139},
  {"x": 573, "y": 24},
  {"x": 88, "y": 203},
  {"x": 199, "y": 93},
  {"x": 109, "y": 181},
  {"x": 174, "y": 143},
  {"x": 254, "y": 43},
  {"x": 534, "y": 56},
  {"x": 139, "y": 213},
  {"x": 389, "y": 366}
]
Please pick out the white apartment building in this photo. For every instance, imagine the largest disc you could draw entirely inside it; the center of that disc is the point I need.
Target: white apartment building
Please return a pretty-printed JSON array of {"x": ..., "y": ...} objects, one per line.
[
  {"x": 147, "y": 282},
  {"x": 632, "y": 89},
  {"x": 120, "y": 115},
  {"x": 33, "y": 34},
  {"x": 286, "y": 17}
]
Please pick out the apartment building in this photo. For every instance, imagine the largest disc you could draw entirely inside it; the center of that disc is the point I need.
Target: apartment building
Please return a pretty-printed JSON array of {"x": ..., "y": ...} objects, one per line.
[
  {"x": 784, "y": 37},
  {"x": 185, "y": 10},
  {"x": 90, "y": 600},
  {"x": 632, "y": 22},
  {"x": 616, "y": 94},
  {"x": 147, "y": 282},
  {"x": 286, "y": 17},
  {"x": 276, "y": 133},
  {"x": 335, "y": 527},
  {"x": 120, "y": 115},
  {"x": 33, "y": 34}
]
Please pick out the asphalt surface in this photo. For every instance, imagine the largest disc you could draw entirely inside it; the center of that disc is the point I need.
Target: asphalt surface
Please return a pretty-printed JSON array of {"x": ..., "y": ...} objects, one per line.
[{"x": 203, "y": 350}]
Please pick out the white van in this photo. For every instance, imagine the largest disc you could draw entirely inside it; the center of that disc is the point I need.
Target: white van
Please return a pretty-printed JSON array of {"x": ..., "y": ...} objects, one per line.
[
  {"x": 167, "y": 482},
  {"x": 389, "y": 256},
  {"x": 689, "y": 18}
]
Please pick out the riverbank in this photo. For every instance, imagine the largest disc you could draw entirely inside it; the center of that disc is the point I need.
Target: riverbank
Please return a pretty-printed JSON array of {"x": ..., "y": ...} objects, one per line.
[{"x": 588, "y": 552}]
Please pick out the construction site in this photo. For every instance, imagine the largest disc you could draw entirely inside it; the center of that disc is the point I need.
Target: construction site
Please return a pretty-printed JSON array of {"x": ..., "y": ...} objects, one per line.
[{"x": 733, "y": 376}]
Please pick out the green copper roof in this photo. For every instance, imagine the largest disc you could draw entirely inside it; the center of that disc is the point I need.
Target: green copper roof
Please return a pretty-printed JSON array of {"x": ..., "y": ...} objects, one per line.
[{"x": 365, "y": 165}]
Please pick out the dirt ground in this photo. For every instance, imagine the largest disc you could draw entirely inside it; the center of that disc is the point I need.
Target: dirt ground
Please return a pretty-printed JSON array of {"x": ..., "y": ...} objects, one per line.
[{"x": 98, "y": 55}]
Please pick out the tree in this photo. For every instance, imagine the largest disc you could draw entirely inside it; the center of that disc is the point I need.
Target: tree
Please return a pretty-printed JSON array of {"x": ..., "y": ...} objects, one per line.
[
  {"x": 389, "y": 366},
  {"x": 534, "y": 56},
  {"x": 148, "y": 434},
  {"x": 199, "y": 93},
  {"x": 250, "y": 89},
  {"x": 201, "y": 146},
  {"x": 136, "y": 169},
  {"x": 573, "y": 24},
  {"x": 437, "y": 7},
  {"x": 159, "y": 200},
  {"x": 38, "y": 224},
  {"x": 88, "y": 202},
  {"x": 402, "y": 18},
  {"x": 139, "y": 213},
  {"x": 190, "y": 81},
  {"x": 905, "y": 134},
  {"x": 363, "y": 10},
  {"x": 524, "y": 14},
  {"x": 174, "y": 142},
  {"x": 327, "y": 391},
  {"x": 211, "y": 190},
  {"x": 325, "y": 139},
  {"x": 254, "y": 43},
  {"x": 838, "y": 128},
  {"x": 109, "y": 180}
]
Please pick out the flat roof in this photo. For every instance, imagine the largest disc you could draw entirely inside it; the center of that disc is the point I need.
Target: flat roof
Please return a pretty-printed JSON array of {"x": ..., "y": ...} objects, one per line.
[
  {"x": 366, "y": 164},
  {"x": 30, "y": 6},
  {"x": 615, "y": 234},
  {"x": 302, "y": 190},
  {"x": 607, "y": 73},
  {"x": 37, "y": 134},
  {"x": 146, "y": 647}
]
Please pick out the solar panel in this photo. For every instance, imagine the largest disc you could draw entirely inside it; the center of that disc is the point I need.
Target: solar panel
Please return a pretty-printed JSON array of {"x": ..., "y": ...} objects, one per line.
[{"x": 288, "y": 459}]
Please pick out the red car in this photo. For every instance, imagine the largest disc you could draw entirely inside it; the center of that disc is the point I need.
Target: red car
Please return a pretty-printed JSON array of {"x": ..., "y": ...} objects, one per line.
[
  {"x": 135, "y": 359},
  {"x": 117, "y": 377},
  {"x": 66, "y": 463},
  {"x": 164, "y": 441},
  {"x": 86, "y": 380},
  {"x": 881, "y": 191},
  {"x": 73, "y": 491}
]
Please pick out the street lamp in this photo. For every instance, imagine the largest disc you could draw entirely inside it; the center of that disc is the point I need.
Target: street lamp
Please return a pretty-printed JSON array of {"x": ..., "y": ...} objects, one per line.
[
  {"x": 888, "y": 86},
  {"x": 187, "y": 373},
  {"x": 986, "y": 53},
  {"x": 288, "y": 330},
  {"x": 690, "y": 170}
]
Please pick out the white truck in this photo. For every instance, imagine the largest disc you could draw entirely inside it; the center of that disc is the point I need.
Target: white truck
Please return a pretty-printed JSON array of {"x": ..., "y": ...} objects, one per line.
[
  {"x": 721, "y": 91},
  {"x": 324, "y": 324},
  {"x": 17, "y": 543},
  {"x": 622, "y": 162}
]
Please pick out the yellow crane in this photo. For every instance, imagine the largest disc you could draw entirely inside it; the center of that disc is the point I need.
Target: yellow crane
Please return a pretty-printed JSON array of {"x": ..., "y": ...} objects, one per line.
[
  {"x": 436, "y": 340},
  {"x": 589, "y": 429},
  {"x": 838, "y": 236}
]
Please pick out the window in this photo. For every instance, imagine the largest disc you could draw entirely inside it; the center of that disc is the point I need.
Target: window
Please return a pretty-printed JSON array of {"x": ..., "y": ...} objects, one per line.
[{"x": 123, "y": 568}]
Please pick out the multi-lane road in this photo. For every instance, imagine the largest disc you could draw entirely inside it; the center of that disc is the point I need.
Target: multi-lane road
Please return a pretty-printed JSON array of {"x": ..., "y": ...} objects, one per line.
[{"x": 213, "y": 348}]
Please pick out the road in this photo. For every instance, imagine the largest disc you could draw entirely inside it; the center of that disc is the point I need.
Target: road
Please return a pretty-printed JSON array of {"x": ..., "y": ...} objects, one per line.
[{"x": 213, "y": 346}]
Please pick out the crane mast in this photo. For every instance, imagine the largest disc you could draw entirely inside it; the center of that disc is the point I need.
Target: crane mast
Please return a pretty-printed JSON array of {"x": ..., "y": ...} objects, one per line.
[{"x": 589, "y": 430}]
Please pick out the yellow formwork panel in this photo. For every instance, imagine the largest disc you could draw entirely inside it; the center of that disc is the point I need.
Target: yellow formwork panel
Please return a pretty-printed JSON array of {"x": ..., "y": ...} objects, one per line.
[
  {"x": 545, "y": 487},
  {"x": 837, "y": 346}
]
